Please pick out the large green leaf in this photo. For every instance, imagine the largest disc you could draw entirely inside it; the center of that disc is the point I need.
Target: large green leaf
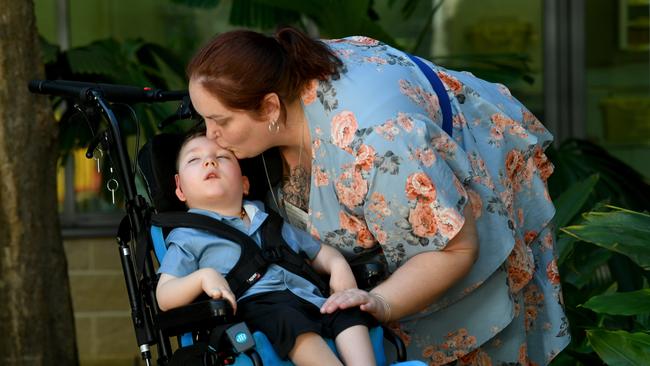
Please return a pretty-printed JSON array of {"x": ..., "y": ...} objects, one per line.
[
  {"x": 49, "y": 51},
  {"x": 337, "y": 18},
  {"x": 576, "y": 159},
  {"x": 621, "y": 303},
  {"x": 104, "y": 57},
  {"x": 571, "y": 201},
  {"x": 564, "y": 246},
  {"x": 623, "y": 231},
  {"x": 620, "y": 347},
  {"x": 585, "y": 266},
  {"x": 250, "y": 13}
]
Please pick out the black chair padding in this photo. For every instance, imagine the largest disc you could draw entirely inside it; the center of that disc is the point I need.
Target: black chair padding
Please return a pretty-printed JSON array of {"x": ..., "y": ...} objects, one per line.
[
  {"x": 157, "y": 162},
  {"x": 253, "y": 168}
]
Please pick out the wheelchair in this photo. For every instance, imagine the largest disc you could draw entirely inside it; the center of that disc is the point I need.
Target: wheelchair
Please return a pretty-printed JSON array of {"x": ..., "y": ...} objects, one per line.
[{"x": 206, "y": 330}]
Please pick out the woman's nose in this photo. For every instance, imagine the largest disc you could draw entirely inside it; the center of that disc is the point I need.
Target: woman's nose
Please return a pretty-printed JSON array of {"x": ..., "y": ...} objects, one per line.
[{"x": 211, "y": 130}]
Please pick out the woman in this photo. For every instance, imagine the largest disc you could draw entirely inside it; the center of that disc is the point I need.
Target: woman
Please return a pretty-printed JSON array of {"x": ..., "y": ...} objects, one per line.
[{"x": 367, "y": 168}]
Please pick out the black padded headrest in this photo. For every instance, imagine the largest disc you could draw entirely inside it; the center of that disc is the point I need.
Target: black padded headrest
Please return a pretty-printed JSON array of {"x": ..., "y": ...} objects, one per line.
[
  {"x": 157, "y": 162},
  {"x": 253, "y": 168}
]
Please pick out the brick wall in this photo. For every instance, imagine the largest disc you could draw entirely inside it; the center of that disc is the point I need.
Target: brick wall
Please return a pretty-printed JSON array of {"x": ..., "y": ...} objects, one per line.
[{"x": 101, "y": 308}]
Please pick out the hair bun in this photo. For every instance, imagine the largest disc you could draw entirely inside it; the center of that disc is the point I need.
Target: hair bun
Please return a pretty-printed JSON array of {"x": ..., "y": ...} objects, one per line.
[{"x": 287, "y": 37}]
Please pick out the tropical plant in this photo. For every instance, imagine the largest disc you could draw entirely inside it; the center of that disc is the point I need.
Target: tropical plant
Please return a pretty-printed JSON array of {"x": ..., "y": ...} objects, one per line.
[
  {"x": 341, "y": 18},
  {"x": 606, "y": 287},
  {"x": 131, "y": 62},
  {"x": 603, "y": 256}
]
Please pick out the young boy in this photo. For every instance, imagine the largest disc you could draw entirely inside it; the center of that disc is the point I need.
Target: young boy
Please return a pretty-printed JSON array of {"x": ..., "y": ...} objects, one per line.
[{"x": 281, "y": 304}]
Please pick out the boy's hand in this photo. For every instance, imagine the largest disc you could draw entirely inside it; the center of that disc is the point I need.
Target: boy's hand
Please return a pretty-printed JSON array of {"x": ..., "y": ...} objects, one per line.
[
  {"x": 341, "y": 277},
  {"x": 216, "y": 286}
]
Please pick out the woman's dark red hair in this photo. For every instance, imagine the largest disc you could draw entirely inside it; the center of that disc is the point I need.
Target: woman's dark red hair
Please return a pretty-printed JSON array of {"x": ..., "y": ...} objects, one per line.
[{"x": 240, "y": 67}]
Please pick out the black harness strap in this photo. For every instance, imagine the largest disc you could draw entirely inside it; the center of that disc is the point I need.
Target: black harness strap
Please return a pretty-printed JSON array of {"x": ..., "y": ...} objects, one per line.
[
  {"x": 250, "y": 267},
  {"x": 253, "y": 261},
  {"x": 273, "y": 242}
]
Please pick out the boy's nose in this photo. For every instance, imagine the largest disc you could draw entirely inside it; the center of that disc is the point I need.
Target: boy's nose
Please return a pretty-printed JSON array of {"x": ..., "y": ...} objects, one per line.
[{"x": 209, "y": 162}]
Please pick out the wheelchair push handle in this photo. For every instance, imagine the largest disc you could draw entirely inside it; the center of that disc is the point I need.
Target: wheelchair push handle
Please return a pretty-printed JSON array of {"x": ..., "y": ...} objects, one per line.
[{"x": 111, "y": 92}]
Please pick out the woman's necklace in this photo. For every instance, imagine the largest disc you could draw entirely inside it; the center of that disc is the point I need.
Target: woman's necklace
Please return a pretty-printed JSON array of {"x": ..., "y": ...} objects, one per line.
[{"x": 268, "y": 180}]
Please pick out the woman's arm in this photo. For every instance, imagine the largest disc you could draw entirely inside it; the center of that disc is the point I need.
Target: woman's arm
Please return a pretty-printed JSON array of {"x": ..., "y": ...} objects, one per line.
[
  {"x": 419, "y": 282},
  {"x": 331, "y": 261},
  {"x": 173, "y": 292}
]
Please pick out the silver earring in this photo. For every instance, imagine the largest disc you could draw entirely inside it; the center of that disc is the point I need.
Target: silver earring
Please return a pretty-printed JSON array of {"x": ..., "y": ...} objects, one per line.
[{"x": 274, "y": 127}]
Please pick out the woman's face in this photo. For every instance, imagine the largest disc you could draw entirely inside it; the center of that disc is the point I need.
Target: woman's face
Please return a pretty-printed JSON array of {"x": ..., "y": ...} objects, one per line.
[{"x": 235, "y": 130}]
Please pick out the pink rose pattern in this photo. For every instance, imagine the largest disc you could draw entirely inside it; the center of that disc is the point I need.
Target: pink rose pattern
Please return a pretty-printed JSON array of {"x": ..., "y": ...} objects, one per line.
[
  {"x": 344, "y": 126},
  {"x": 384, "y": 173}
]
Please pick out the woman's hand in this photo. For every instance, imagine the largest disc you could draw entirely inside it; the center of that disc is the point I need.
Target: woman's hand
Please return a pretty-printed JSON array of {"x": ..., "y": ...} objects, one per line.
[
  {"x": 372, "y": 303},
  {"x": 403, "y": 293},
  {"x": 216, "y": 286}
]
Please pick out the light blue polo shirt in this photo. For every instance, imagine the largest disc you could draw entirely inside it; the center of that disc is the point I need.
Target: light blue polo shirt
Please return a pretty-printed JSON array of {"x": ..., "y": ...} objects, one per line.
[{"x": 191, "y": 249}]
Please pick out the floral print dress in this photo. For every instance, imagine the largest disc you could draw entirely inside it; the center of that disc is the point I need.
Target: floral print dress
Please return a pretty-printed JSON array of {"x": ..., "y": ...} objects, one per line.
[{"x": 385, "y": 174}]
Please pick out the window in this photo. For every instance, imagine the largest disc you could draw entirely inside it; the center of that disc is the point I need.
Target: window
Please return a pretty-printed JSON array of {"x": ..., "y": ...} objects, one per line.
[{"x": 84, "y": 200}]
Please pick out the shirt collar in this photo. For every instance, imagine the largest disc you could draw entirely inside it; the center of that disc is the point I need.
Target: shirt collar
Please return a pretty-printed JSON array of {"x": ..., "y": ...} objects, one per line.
[{"x": 254, "y": 210}]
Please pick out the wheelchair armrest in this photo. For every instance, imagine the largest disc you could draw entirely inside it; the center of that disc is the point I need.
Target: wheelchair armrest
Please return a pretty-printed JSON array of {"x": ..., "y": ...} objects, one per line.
[
  {"x": 400, "y": 348},
  {"x": 368, "y": 275},
  {"x": 205, "y": 314}
]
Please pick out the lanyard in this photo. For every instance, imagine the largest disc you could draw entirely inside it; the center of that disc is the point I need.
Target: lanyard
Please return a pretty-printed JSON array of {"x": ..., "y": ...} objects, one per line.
[{"x": 439, "y": 89}]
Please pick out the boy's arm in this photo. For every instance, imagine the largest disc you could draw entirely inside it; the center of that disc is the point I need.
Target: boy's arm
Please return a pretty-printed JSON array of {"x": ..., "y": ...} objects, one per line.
[
  {"x": 331, "y": 261},
  {"x": 173, "y": 292}
]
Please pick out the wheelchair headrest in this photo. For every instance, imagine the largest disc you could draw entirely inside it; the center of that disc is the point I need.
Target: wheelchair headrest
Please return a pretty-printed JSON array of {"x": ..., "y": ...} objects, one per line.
[{"x": 157, "y": 162}]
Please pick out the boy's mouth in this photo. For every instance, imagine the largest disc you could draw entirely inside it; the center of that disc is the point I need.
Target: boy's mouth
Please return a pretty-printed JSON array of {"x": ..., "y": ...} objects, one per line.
[{"x": 211, "y": 176}]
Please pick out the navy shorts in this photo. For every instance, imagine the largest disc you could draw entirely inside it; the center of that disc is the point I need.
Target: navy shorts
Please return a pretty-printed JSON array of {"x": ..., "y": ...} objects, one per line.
[{"x": 283, "y": 316}]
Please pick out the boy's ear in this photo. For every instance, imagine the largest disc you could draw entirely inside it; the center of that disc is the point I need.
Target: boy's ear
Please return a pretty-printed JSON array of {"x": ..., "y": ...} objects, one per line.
[
  {"x": 271, "y": 107},
  {"x": 245, "y": 184},
  {"x": 179, "y": 191}
]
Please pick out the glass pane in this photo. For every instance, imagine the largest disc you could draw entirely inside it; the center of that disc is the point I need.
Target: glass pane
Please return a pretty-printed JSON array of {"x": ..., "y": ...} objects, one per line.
[
  {"x": 150, "y": 20},
  {"x": 90, "y": 193},
  {"x": 618, "y": 79},
  {"x": 60, "y": 186},
  {"x": 497, "y": 40}
]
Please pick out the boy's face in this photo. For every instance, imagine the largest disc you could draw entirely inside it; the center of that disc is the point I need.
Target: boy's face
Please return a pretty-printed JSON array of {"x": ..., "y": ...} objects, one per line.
[{"x": 209, "y": 176}]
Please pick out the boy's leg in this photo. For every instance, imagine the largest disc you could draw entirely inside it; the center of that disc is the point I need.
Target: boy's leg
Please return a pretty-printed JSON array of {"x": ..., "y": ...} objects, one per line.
[
  {"x": 310, "y": 349},
  {"x": 354, "y": 346}
]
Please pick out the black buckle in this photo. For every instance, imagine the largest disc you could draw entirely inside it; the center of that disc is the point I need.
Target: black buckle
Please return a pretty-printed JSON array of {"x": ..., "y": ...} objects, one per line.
[{"x": 272, "y": 255}]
